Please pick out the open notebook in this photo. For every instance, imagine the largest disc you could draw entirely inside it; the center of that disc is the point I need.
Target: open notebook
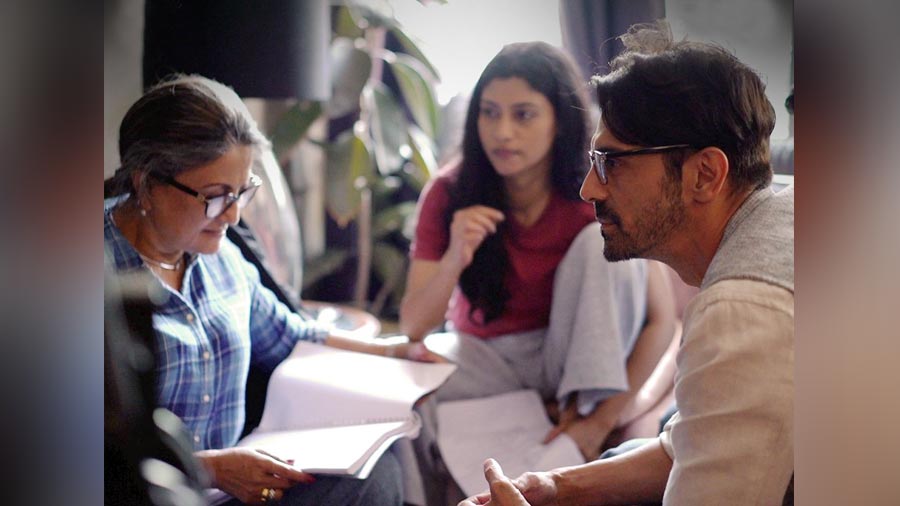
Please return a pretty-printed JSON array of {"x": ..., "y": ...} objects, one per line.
[
  {"x": 509, "y": 428},
  {"x": 332, "y": 411},
  {"x": 335, "y": 412}
]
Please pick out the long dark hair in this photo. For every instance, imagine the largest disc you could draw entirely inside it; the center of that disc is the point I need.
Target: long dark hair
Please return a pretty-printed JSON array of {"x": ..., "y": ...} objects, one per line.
[
  {"x": 552, "y": 73},
  {"x": 179, "y": 124}
]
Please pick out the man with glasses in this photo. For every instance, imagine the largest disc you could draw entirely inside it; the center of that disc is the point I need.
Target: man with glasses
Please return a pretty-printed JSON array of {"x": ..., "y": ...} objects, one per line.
[{"x": 680, "y": 173}]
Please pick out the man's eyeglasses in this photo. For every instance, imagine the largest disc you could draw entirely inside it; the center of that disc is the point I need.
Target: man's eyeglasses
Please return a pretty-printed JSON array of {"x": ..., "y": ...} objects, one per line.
[
  {"x": 217, "y": 204},
  {"x": 602, "y": 161}
]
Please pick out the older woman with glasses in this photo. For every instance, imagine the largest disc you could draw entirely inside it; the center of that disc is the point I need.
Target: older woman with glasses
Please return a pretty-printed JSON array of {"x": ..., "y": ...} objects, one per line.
[{"x": 187, "y": 148}]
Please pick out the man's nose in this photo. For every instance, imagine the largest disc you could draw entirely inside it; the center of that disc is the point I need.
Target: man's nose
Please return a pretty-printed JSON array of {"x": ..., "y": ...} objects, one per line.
[{"x": 592, "y": 189}]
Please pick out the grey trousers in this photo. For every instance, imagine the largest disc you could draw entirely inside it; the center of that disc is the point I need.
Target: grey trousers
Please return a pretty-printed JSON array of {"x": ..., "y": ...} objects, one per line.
[{"x": 597, "y": 312}]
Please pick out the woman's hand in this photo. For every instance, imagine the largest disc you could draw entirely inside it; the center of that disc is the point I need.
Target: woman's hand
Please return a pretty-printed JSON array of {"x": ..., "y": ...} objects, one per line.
[
  {"x": 468, "y": 230},
  {"x": 413, "y": 350},
  {"x": 244, "y": 473},
  {"x": 587, "y": 433}
]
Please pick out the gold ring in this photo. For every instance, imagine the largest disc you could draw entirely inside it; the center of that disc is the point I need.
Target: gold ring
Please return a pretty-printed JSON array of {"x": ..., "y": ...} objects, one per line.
[{"x": 265, "y": 494}]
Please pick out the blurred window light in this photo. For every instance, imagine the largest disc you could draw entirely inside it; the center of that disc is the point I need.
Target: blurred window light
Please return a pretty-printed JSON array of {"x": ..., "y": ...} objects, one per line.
[{"x": 461, "y": 36}]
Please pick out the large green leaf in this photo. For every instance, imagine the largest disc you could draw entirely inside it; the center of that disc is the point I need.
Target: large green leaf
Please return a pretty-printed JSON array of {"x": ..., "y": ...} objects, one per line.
[
  {"x": 388, "y": 126},
  {"x": 292, "y": 126},
  {"x": 417, "y": 90},
  {"x": 411, "y": 48},
  {"x": 350, "y": 69},
  {"x": 424, "y": 162},
  {"x": 372, "y": 14},
  {"x": 392, "y": 219},
  {"x": 346, "y": 24},
  {"x": 348, "y": 160}
]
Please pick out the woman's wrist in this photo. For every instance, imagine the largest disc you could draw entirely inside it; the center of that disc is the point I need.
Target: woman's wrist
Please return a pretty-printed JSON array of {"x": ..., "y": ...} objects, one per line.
[
  {"x": 207, "y": 459},
  {"x": 602, "y": 422},
  {"x": 450, "y": 267},
  {"x": 606, "y": 415},
  {"x": 392, "y": 350}
]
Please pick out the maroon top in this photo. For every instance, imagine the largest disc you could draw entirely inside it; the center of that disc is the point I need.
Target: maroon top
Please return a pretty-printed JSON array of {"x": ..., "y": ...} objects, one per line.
[{"x": 534, "y": 253}]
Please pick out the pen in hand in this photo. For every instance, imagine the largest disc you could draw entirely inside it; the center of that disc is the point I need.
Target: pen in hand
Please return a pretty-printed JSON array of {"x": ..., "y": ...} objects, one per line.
[{"x": 289, "y": 462}]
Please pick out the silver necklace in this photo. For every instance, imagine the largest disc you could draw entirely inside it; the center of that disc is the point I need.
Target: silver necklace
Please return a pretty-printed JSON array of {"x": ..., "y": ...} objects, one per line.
[{"x": 162, "y": 265}]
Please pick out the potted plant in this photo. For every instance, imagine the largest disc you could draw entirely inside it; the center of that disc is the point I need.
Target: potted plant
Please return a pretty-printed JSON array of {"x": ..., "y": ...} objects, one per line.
[{"x": 380, "y": 148}]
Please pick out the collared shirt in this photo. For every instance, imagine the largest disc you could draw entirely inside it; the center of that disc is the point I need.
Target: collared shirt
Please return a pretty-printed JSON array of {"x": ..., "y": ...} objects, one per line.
[
  {"x": 732, "y": 441},
  {"x": 208, "y": 334}
]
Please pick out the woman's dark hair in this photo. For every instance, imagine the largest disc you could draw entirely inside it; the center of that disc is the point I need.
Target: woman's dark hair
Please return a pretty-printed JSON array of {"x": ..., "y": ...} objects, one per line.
[
  {"x": 180, "y": 124},
  {"x": 660, "y": 92},
  {"x": 552, "y": 73}
]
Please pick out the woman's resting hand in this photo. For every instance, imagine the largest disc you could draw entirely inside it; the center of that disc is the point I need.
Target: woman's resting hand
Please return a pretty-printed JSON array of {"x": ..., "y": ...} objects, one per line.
[
  {"x": 244, "y": 473},
  {"x": 416, "y": 351}
]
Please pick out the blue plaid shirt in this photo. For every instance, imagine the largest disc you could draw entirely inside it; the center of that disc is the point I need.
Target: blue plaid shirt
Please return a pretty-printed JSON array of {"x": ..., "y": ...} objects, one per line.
[{"x": 208, "y": 334}]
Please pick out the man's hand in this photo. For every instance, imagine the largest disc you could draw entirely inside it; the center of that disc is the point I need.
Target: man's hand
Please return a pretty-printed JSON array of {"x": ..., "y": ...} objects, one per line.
[
  {"x": 530, "y": 489},
  {"x": 245, "y": 473},
  {"x": 502, "y": 491}
]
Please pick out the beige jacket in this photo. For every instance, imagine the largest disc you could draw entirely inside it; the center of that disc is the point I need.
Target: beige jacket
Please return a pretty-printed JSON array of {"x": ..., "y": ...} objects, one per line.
[{"x": 732, "y": 441}]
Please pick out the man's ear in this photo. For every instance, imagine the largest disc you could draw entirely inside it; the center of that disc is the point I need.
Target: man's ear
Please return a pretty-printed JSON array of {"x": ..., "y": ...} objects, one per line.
[
  {"x": 707, "y": 172},
  {"x": 140, "y": 183}
]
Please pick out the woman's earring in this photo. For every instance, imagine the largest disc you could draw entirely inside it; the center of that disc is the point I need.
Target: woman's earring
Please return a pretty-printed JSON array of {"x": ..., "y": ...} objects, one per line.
[{"x": 144, "y": 213}]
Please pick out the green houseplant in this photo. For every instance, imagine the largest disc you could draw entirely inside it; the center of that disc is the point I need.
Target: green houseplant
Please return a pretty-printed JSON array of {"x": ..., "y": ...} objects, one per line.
[{"x": 383, "y": 120}]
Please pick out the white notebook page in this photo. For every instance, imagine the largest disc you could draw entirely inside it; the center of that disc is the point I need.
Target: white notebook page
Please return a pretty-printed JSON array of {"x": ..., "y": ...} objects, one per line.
[{"x": 509, "y": 428}]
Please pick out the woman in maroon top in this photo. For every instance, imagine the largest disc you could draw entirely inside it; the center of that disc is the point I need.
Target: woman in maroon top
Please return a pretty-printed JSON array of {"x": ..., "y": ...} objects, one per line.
[
  {"x": 494, "y": 229},
  {"x": 525, "y": 136}
]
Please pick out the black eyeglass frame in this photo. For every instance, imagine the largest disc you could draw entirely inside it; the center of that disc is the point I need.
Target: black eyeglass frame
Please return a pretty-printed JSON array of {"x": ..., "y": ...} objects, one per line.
[
  {"x": 599, "y": 158},
  {"x": 230, "y": 197}
]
